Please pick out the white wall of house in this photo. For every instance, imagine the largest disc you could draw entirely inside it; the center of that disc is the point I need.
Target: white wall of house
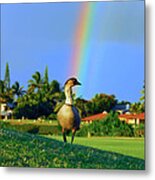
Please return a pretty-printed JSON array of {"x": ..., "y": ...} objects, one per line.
[{"x": 3, "y": 107}]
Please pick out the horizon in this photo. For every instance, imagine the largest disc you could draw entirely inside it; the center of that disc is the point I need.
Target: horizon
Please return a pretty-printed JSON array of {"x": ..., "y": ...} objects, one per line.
[{"x": 33, "y": 35}]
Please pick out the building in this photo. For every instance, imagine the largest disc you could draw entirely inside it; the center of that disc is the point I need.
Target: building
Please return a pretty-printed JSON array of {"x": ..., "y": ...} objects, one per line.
[
  {"x": 134, "y": 119},
  {"x": 121, "y": 108},
  {"x": 5, "y": 111},
  {"x": 94, "y": 117}
]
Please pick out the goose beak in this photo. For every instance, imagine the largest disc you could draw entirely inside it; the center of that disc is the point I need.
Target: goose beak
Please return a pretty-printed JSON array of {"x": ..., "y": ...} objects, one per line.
[{"x": 78, "y": 83}]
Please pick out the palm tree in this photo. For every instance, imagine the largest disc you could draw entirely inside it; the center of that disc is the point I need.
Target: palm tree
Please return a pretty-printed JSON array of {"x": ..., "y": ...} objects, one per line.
[
  {"x": 35, "y": 83},
  {"x": 17, "y": 90}
]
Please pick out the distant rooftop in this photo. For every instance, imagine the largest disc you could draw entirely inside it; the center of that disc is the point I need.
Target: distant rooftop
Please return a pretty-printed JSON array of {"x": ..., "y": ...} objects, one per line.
[{"x": 100, "y": 116}]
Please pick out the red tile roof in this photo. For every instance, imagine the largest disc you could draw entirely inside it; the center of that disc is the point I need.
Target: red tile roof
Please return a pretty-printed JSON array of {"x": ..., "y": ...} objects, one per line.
[
  {"x": 99, "y": 116},
  {"x": 95, "y": 117},
  {"x": 140, "y": 116}
]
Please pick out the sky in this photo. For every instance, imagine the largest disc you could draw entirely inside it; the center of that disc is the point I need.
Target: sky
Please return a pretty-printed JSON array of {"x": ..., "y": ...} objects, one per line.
[{"x": 110, "y": 47}]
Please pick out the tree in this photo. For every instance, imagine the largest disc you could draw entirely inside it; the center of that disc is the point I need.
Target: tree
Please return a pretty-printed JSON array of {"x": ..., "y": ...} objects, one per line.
[
  {"x": 7, "y": 76},
  {"x": 142, "y": 99},
  {"x": 139, "y": 107},
  {"x": 103, "y": 102},
  {"x": 2, "y": 91},
  {"x": 35, "y": 83},
  {"x": 81, "y": 105},
  {"x": 17, "y": 90},
  {"x": 5, "y": 90},
  {"x": 54, "y": 86},
  {"x": 135, "y": 107},
  {"x": 98, "y": 104},
  {"x": 5, "y": 93},
  {"x": 46, "y": 79},
  {"x": 40, "y": 99}
]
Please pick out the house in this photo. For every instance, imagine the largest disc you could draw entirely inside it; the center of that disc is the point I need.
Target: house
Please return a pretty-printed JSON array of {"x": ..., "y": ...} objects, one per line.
[
  {"x": 5, "y": 111},
  {"x": 90, "y": 119},
  {"x": 121, "y": 108},
  {"x": 134, "y": 119}
]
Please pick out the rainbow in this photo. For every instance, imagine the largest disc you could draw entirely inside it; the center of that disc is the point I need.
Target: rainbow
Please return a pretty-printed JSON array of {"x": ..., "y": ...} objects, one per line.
[{"x": 79, "y": 62}]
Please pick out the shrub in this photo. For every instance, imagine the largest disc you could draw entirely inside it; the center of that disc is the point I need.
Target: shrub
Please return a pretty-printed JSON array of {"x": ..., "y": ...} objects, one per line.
[
  {"x": 52, "y": 116},
  {"x": 33, "y": 129},
  {"x": 109, "y": 126},
  {"x": 83, "y": 132},
  {"x": 139, "y": 130}
]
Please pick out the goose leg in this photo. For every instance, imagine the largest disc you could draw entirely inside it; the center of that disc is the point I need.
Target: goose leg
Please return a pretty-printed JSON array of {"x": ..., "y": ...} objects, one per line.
[
  {"x": 73, "y": 134},
  {"x": 64, "y": 135}
]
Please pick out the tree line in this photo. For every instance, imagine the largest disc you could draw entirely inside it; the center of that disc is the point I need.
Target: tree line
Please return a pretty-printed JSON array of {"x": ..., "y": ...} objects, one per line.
[{"x": 43, "y": 98}]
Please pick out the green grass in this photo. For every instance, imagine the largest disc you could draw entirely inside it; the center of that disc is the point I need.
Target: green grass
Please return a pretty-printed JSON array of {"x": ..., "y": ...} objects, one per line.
[
  {"x": 27, "y": 150},
  {"x": 28, "y": 121},
  {"x": 124, "y": 145}
]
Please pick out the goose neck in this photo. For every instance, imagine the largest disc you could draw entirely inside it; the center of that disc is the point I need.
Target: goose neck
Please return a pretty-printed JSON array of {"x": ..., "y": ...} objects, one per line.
[{"x": 68, "y": 94}]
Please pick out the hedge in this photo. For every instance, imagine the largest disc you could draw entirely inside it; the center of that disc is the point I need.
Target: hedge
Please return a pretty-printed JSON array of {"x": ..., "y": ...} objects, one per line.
[
  {"x": 109, "y": 126},
  {"x": 34, "y": 129}
]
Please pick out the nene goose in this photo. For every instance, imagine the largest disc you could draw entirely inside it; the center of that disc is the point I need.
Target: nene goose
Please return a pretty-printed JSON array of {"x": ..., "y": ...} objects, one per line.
[{"x": 68, "y": 115}]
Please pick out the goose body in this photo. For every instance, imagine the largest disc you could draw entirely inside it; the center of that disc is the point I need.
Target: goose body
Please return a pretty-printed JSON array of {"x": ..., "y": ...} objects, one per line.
[{"x": 68, "y": 115}]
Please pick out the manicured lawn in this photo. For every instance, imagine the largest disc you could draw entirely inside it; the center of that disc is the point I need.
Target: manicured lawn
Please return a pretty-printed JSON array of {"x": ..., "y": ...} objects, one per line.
[
  {"x": 28, "y": 150},
  {"x": 127, "y": 146},
  {"x": 124, "y": 145}
]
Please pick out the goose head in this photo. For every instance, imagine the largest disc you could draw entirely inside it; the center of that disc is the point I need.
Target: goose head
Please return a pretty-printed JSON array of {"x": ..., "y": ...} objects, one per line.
[{"x": 72, "y": 82}]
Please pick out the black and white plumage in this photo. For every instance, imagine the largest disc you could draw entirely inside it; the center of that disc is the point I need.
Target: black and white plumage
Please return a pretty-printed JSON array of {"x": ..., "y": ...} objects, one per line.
[{"x": 68, "y": 115}]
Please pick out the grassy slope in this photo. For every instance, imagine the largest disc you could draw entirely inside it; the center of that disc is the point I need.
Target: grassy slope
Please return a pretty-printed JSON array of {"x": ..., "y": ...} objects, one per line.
[
  {"x": 124, "y": 145},
  {"x": 26, "y": 150}
]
